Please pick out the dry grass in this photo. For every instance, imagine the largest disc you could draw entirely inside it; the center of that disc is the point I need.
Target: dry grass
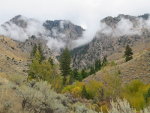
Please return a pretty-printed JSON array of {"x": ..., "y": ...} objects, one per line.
[
  {"x": 137, "y": 68},
  {"x": 12, "y": 59}
]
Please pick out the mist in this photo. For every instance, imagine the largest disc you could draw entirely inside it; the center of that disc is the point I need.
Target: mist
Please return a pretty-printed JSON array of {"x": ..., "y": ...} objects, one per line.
[
  {"x": 124, "y": 27},
  {"x": 35, "y": 27},
  {"x": 30, "y": 27}
]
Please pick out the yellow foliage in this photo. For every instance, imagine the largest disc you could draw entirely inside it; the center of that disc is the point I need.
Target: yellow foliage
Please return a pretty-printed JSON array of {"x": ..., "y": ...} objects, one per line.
[
  {"x": 77, "y": 91},
  {"x": 93, "y": 87},
  {"x": 104, "y": 108},
  {"x": 134, "y": 93},
  {"x": 74, "y": 89}
]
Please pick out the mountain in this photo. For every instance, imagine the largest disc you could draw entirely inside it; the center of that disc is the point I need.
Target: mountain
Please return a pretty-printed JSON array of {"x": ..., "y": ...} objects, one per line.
[
  {"x": 136, "y": 69},
  {"x": 115, "y": 33},
  {"x": 58, "y": 27},
  {"x": 62, "y": 32},
  {"x": 36, "y": 95}
]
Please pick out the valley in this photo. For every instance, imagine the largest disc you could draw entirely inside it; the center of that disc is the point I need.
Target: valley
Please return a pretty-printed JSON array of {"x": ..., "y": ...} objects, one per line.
[{"x": 44, "y": 70}]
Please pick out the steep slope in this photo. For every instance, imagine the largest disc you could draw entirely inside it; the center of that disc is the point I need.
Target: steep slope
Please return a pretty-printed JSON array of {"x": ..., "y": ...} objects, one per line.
[
  {"x": 115, "y": 33},
  {"x": 60, "y": 32},
  {"x": 137, "y": 68},
  {"x": 12, "y": 59},
  {"x": 63, "y": 27}
]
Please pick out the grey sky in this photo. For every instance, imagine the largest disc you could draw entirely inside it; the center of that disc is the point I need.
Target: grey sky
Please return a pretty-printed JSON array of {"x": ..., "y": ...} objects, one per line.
[{"x": 82, "y": 12}]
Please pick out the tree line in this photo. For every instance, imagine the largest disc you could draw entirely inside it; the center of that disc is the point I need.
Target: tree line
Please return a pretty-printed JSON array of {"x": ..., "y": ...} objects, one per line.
[{"x": 42, "y": 68}]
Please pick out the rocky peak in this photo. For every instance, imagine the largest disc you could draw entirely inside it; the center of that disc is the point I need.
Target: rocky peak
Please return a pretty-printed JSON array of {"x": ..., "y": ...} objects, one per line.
[
  {"x": 20, "y": 21},
  {"x": 113, "y": 21},
  {"x": 124, "y": 29},
  {"x": 145, "y": 16},
  {"x": 110, "y": 21},
  {"x": 28, "y": 45},
  {"x": 64, "y": 27}
]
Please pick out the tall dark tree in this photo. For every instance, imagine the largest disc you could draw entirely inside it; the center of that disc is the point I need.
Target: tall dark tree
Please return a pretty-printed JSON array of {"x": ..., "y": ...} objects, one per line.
[
  {"x": 33, "y": 51},
  {"x": 104, "y": 61},
  {"x": 76, "y": 75},
  {"x": 65, "y": 61},
  {"x": 92, "y": 71},
  {"x": 83, "y": 73},
  {"x": 41, "y": 52},
  {"x": 97, "y": 65},
  {"x": 128, "y": 53}
]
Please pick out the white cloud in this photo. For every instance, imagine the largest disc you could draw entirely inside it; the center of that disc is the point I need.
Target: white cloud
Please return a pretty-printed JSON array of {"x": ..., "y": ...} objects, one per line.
[
  {"x": 87, "y": 13},
  {"x": 55, "y": 44}
]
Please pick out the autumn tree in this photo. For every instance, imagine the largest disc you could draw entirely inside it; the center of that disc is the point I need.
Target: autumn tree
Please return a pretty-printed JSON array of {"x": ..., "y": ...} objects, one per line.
[{"x": 39, "y": 68}]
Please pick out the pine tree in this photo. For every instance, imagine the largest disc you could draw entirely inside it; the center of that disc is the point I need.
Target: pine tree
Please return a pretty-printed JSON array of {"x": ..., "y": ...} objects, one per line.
[
  {"x": 83, "y": 73},
  {"x": 33, "y": 51},
  {"x": 75, "y": 74},
  {"x": 41, "y": 52},
  {"x": 65, "y": 61},
  {"x": 71, "y": 79},
  {"x": 104, "y": 63},
  {"x": 128, "y": 53},
  {"x": 97, "y": 65},
  {"x": 92, "y": 70}
]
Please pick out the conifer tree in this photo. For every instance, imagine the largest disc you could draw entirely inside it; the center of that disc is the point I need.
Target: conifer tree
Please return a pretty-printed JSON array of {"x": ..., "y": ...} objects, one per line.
[
  {"x": 97, "y": 65},
  {"x": 65, "y": 61},
  {"x": 75, "y": 74},
  {"x": 41, "y": 52},
  {"x": 33, "y": 51},
  {"x": 128, "y": 53},
  {"x": 104, "y": 61},
  {"x": 92, "y": 70},
  {"x": 83, "y": 73}
]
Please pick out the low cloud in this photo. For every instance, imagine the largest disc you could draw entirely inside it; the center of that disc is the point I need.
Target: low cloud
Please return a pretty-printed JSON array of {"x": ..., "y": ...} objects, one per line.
[
  {"x": 125, "y": 27},
  {"x": 35, "y": 27}
]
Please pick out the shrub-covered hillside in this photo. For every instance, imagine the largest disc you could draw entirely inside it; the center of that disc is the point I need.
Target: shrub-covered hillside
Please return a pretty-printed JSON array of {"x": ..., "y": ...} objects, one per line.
[{"x": 46, "y": 86}]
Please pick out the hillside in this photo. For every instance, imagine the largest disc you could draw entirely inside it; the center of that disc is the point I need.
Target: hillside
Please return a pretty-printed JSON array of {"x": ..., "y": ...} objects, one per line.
[
  {"x": 112, "y": 36},
  {"x": 18, "y": 94},
  {"x": 57, "y": 32},
  {"x": 42, "y": 76},
  {"x": 136, "y": 69},
  {"x": 13, "y": 60}
]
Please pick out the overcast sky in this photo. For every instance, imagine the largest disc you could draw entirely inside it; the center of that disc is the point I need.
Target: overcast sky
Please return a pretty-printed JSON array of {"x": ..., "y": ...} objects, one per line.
[{"x": 81, "y": 12}]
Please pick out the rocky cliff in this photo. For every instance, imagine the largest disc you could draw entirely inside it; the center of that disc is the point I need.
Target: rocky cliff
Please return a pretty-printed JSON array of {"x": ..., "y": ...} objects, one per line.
[{"x": 115, "y": 33}]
